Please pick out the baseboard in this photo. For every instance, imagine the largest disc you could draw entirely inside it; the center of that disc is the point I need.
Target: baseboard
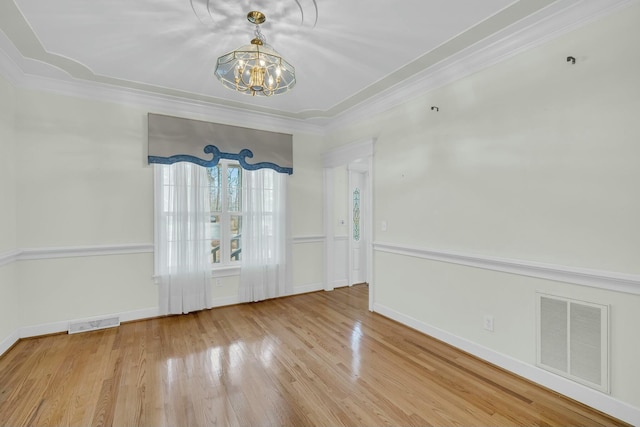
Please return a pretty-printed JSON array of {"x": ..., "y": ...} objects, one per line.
[
  {"x": 62, "y": 326},
  {"x": 586, "y": 395},
  {"x": 305, "y": 289},
  {"x": 339, "y": 283},
  {"x": 221, "y": 302},
  {"x": 8, "y": 342},
  {"x": 128, "y": 316},
  {"x": 301, "y": 289}
]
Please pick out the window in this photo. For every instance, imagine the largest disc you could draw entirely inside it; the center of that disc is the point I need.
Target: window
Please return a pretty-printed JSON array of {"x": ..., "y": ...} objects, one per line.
[
  {"x": 226, "y": 192},
  {"x": 233, "y": 218}
]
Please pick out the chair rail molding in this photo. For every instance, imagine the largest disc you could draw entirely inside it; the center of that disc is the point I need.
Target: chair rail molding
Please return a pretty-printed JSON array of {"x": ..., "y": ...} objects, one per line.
[
  {"x": 609, "y": 280},
  {"x": 74, "y": 251},
  {"x": 9, "y": 256},
  {"x": 298, "y": 240}
]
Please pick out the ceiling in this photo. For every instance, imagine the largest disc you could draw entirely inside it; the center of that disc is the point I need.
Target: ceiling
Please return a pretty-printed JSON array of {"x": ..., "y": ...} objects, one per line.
[{"x": 346, "y": 53}]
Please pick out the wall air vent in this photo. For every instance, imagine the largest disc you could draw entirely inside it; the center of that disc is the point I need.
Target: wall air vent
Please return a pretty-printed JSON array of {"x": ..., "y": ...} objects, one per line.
[
  {"x": 94, "y": 325},
  {"x": 573, "y": 340}
]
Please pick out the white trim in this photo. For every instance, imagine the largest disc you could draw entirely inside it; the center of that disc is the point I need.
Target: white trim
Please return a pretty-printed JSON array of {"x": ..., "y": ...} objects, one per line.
[
  {"x": 305, "y": 289},
  {"x": 368, "y": 222},
  {"x": 146, "y": 313},
  {"x": 9, "y": 341},
  {"x": 9, "y": 257},
  {"x": 9, "y": 69},
  {"x": 137, "y": 98},
  {"x": 122, "y": 249},
  {"x": 298, "y": 240},
  {"x": 612, "y": 281},
  {"x": 224, "y": 301},
  {"x": 329, "y": 230},
  {"x": 74, "y": 251},
  {"x": 339, "y": 283},
  {"x": 81, "y": 251},
  {"x": 234, "y": 270},
  {"x": 347, "y": 153},
  {"x": 583, "y": 394},
  {"x": 297, "y": 290},
  {"x": 63, "y": 325},
  {"x": 549, "y": 23},
  {"x": 344, "y": 155}
]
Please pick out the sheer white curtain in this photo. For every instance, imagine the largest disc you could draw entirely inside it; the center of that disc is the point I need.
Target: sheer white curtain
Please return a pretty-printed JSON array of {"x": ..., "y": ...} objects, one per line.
[
  {"x": 265, "y": 270},
  {"x": 182, "y": 237}
]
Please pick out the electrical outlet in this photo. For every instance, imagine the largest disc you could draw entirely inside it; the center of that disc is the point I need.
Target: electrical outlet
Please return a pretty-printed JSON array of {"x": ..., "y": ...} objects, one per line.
[
  {"x": 488, "y": 322},
  {"x": 218, "y": 281}
]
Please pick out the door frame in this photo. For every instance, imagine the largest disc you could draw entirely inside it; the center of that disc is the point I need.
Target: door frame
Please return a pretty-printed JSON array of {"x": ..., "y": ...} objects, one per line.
[{"x": 342, "y": 156}]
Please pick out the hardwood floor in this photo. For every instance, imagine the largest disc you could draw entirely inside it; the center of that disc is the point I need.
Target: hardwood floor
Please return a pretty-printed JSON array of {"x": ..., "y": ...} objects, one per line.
[{"x": 318, "y": 359}]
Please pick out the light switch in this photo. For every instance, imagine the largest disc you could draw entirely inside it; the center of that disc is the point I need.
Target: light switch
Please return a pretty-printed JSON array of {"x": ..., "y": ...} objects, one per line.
[{"x": 383, "y": 225}]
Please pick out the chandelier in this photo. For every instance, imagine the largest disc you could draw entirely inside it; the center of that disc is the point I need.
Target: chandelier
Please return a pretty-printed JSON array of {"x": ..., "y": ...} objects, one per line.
[{"x": 256, "y": 69}]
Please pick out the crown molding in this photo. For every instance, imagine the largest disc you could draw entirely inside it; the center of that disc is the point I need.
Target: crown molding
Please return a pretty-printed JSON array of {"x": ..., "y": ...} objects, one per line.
[
  {"x": 551, "y": 22},
  {"x": 149, "y": 101},
  {"x": 8, "y": 67}
]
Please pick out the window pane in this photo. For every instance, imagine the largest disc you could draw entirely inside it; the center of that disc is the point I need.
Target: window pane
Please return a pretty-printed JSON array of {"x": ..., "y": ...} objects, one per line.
[
  {"x": 234, "y": 188},
  {"x": 236, "y": 231},
  {"x": 215, "y": 185},
  {"x": 215, "y": 239}
]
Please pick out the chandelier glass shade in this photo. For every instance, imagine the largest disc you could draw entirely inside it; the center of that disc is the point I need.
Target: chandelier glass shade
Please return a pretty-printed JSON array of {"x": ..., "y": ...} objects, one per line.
[{"x": 256, "y": 68}]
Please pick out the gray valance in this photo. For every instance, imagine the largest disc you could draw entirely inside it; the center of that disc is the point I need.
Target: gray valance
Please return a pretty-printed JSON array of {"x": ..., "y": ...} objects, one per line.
[{"x": 174, "y": 139}]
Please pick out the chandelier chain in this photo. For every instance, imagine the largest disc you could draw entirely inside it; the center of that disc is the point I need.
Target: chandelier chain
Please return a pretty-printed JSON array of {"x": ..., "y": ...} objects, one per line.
[{"x": 259, "y": 35}]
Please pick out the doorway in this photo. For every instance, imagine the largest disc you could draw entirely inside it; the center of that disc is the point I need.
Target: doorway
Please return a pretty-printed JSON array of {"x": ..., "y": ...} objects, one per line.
[{"x": 348, "y": 216}]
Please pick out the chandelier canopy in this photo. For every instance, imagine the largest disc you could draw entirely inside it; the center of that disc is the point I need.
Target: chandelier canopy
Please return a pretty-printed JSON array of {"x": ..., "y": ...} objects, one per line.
[{"x": 256, "y": 68}]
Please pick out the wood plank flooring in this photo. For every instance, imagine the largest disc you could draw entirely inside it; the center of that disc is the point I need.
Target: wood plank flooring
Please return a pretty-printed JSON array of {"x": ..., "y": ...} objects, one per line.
[{"x": 319, "y": 359}]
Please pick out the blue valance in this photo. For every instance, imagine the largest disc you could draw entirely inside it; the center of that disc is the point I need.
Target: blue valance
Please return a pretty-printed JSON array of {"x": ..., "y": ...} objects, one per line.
[{"x": 175, "y": 139}]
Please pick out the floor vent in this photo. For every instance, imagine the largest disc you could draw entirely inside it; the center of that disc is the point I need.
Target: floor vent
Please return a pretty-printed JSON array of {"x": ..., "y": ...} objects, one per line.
[
  {"x": 94, "y": 325},
  {"x": 573, "y": 340}
]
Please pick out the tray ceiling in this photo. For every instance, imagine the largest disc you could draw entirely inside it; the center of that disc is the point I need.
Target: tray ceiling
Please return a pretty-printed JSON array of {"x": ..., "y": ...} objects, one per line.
[{"x": 345, "y": 52}]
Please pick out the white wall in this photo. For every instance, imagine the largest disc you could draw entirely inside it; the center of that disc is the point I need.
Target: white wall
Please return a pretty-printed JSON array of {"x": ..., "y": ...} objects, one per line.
[
  {"x": 305, "y": 186},
  {"x": 8, "y": 279},
  {"x": 7, "y": 169},
  {"x": 306, "y": 199},
  {"x": 533, "y": 159},
  {"x": 76, "y": 185},
  {"x": 82, "y": 182}
]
